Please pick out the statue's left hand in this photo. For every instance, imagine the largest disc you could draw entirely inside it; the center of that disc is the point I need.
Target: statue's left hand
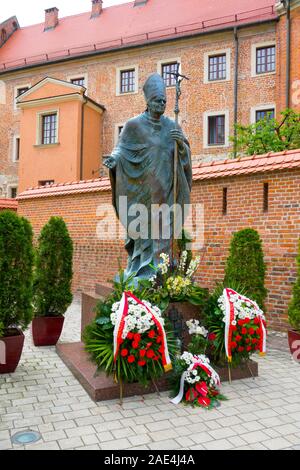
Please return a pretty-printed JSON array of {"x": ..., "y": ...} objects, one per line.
[{"x": 178, "y": 136}]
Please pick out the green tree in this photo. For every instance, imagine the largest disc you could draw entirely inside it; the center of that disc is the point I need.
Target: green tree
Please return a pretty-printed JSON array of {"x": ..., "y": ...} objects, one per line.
[
  {"x": 268, "y": 135},
  {"x": 294, "y": 307},
  {"x": 16, "y": 265},
  {"x": 53, "y": 274},
  {"x": 245, "y": 265}
]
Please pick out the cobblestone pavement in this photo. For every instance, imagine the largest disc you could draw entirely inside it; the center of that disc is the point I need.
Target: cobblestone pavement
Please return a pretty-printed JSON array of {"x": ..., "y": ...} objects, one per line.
[{"x": 44, "y": 396}]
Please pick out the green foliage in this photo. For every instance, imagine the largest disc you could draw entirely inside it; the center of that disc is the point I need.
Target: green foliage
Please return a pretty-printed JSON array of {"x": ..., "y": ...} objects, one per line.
[
  {"x": 1, "y": 330},
  {"x": 53, "y": 274},
  {"x": 245, "y": 265},
  {"x": 269, "y": 135},
  {"x": 16, "y": 264},
  {"x": 198, "y": 345},
  {"x": 294, "y": 307}
]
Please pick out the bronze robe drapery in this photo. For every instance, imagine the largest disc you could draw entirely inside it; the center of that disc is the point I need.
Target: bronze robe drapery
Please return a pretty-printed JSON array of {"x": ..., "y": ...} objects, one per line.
[{"x": 144, "y": 173}]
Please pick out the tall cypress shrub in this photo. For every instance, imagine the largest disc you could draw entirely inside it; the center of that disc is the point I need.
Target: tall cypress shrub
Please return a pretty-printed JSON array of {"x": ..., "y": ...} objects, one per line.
[
  {"x": 245, "y": 265},
  {"x": 53, "y": 273},
  {"x": 16, "y": 265},
  {"x": 294, "y": 307}
]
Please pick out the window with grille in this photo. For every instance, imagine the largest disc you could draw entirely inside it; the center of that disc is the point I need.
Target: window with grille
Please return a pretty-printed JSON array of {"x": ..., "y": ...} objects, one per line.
[
  {"x": 216, "y": 130},
  {"x": 49, "y": 129},
  {"x": 78, "y": 81},
  {"x": 127, "y": 81},
  {"x": 265, "y": 59},
  {"x": 167, "y": 70},
  {"x": 265, "y": 114},
  {"x": 217, "y": 67}
]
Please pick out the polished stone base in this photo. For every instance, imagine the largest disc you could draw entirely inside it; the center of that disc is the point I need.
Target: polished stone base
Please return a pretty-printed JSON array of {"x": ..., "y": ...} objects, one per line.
[{"x": 99, "y": 387}]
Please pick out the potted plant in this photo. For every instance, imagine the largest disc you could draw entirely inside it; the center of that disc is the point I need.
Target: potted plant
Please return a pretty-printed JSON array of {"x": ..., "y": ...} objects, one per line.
[
  {"x": 294, "y": 312},
  {"x": 16, "y": 263},
  {"x": 52, "y": 282}
]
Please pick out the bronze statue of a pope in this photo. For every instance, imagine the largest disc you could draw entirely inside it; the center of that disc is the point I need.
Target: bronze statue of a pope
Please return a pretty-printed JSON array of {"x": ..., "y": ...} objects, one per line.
[{"x": 142, "y": 174}]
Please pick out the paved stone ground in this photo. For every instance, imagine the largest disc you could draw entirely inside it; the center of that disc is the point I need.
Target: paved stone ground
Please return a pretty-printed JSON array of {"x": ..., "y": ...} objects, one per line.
[{"x": 44, "y": 396}]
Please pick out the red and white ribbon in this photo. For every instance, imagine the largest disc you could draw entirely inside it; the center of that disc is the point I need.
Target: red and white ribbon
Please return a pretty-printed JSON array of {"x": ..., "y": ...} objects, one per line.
[
  {"x": 120, "y": 323},
  {"x": 230, "y": 316}
]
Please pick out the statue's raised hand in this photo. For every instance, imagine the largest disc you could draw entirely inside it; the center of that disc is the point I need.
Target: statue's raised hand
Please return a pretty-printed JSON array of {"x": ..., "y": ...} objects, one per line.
[
  {"x": 110, "y": 162},
  {"x": 178, "y": 136}
]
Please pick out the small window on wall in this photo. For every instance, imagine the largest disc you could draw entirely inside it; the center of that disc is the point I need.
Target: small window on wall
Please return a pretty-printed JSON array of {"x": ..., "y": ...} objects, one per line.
[
  {"x": 264, "y": 114},
  {"x": 127, "y": 81},
  {"x": 46, "y": 182},
  {"x": 167, "y": 71},
  {"x": 265, "y": 59},
  {"x": 21, "y": 91},
  {"x": 49, "y": 129},
  {"x": 216, "y": 130},
  {"x": 217, "y": 67},
  {"x": 16, "y": 149},
  {"x": 78, "y": 81},
  {"x": 13, "y": 192}
]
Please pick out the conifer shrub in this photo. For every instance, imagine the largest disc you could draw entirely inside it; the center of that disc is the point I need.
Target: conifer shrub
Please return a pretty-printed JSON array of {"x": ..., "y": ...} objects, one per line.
[
  {"x": 53, "y": 273},
  {"x": 294, "y": 306},
  {"x": 245, "y": 265},
  {"x": 16, "y": 272}
]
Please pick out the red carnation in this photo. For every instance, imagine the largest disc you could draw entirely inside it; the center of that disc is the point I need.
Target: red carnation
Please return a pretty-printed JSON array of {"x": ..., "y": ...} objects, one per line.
[
  {"x": 148, "y": 345},
  {"x": 151, "y": 334},
  {"x": 212, "y": 337},
  {"x": 249, "y": 348},
  {"x": 233, "y": 344},
  {"x": 241, "y": 322},
  {"x": 150, "y": 353},
  {"x": 240, "y": 349},
  {"x": 247, "y": 341},
  {"x": 238, "y": 338},
  {"x": 233, "y": 327},
  {"x": 159, "y": 339},
  {"x": 204, "y": 401},
  {"x": 251, "y": 331},
  {"x": 141, "y": 363},
  {"x": 124, "y": 352},
  {"x": 257, "y": 347},
  {"x": 156, "y": 358},
  {"x": 244, "y": 331},
  {"x": 131, "y": 359},
  {"x": 247, "y": 320},
  {"x": 135, "y": 344},
  {"x": 143, "y": 352},
  {"x": 130, "y": 335},
  {"x": 137, "y": 337},
  {"x": 254, "y": 341},
  {"x": 256, "y": 321}
]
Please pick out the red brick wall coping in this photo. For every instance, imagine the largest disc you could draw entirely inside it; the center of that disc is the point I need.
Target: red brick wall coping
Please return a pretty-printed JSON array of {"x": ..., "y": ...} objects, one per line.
[
  {"x": 8, "y": 204},
  {"x": 217, "y": 169}
]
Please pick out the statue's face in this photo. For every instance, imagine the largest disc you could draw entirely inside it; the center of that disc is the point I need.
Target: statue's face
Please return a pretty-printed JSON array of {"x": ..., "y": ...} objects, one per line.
[{"x": 157, "y": 105}]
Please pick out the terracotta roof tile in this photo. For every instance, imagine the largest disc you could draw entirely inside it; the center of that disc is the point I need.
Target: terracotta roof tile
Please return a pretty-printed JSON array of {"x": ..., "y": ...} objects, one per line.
[
  {"x": 123, "y": 25},
  {"x": 8, "y": 204}
]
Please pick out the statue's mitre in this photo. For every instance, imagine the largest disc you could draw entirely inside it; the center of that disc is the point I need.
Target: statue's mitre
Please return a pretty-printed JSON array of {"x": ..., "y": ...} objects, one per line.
[{"x": 154, "y": 86}]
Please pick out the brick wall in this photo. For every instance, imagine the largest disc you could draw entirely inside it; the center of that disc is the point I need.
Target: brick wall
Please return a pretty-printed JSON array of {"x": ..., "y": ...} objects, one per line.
[{"x": 96, "y": 260}]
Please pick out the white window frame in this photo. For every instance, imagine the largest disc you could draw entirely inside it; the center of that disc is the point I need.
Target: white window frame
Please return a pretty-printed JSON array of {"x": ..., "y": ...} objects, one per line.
[
  {"x": 261, "y": 107},
  {"x": 209, "y": 54},
  {"x": 256, "y": 46},
  {"x": 160, "y": 64},
  {"x": 79, "y": 75},
  {"x": 39, "y": 127},
  {"x": 119, "y": 70},
  {"x": 16, "y": 88},
  {"x": 14, "y": 148},
  {"x": 208, "y": 114},
  {"x": 9, "y": 188}
]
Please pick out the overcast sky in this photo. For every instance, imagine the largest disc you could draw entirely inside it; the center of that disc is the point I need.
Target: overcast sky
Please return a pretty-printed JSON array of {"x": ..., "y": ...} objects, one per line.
[{"x": 32, "y": 11}]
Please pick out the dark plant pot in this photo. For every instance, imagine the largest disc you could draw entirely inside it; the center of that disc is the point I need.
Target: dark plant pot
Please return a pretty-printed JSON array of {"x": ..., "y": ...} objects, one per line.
[
  {"x": 11, "y": 348},
  {"x": 47, "y": 330},
  {"x": 294, "y": 343}
]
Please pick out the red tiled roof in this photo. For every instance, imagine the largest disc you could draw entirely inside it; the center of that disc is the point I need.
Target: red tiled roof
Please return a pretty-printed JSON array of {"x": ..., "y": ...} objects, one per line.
[
  {"x": 218, "y": 169},
  {"x": 125, "y": 25},
  {"x": 8, "y": 204}
]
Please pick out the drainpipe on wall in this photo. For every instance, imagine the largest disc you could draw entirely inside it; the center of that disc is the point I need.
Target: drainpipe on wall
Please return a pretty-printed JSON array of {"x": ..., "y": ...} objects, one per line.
[
  {"x": 236, "y": 72},
  {"x": 82, "y": 138},
  {"x": 288, "y": 53}
]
